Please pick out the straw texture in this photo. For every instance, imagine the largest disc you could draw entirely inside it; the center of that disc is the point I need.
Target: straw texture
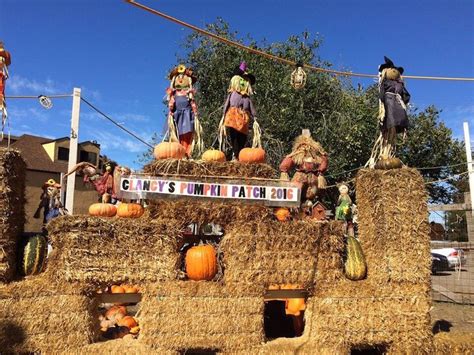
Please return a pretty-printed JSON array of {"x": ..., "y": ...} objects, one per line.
[
  {"x": 461, "y": 343},
  {"x": 113, "y": 250},
  {"x": 12, "y": 211}
]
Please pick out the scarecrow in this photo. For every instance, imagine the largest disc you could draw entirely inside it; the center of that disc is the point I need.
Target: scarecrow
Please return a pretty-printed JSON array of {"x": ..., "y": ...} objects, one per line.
[
  {"x": 344, "y": 208},
  {"x": 311, "y": 161},
  {"x": 50, "y": 202},
  {"x": 103, "y": 183},
  {"x": 393, "y": 118},
  {"x": 183, "y": 122},
  {"x": 238, "y": 110},
  {"x": 5, "y": 61}
]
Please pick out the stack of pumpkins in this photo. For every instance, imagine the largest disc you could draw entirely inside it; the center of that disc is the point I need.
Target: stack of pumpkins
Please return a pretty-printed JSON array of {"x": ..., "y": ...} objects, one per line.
[
  {"x": 115, "y": 323},
  {"x": 174, "y": 150},
  {"x": 125, "y": 210}
]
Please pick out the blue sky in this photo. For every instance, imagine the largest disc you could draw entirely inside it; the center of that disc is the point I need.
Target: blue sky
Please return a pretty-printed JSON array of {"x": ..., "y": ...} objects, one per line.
[{"x": 119, "y": 55}]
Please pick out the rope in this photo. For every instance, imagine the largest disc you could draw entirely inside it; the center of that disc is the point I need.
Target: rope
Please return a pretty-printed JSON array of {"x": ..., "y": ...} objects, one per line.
[
  {"x": 115, "y": 123},
  {"x": 274, "y": 57}
]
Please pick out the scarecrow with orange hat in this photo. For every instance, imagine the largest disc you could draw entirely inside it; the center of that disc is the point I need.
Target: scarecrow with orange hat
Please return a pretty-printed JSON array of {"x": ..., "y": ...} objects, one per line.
[
  {"x": 183, "y": 122},
  {"x": 5, "y": 61}
]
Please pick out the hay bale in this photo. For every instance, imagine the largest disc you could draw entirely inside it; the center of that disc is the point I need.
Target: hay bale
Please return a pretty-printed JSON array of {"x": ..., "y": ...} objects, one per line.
[
  {"x": 455, "y": 343},
  {"x": 192, "y": 168},
  {"x": 185, "y": 315},
  {"x": 45, "y": 321},
  {"x": 12, "y": 211},
  {"x": 118, "y": 346},
  {"x": 394, "y": 229},
  {"x": 260, "y": 254},
  {"x": 113, "y": 250}
]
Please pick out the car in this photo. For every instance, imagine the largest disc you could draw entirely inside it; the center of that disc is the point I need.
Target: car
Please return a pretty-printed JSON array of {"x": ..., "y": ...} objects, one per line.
[
  {"x": 438, "y": 263},
  {"x": 455, "y": 256}
]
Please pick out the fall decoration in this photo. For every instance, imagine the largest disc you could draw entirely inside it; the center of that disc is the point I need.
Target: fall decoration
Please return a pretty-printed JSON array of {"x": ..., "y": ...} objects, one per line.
[
  {"x": 34, "y": 255},
  {"x": 389, "y": 163},
  {"x": 213, "y": 155},
  {"x": 252, "y": 155},
  {"x": 355, "y": 267},
  {"x": 130, "y": 210},
  {"x": 201, "y": 262},
  {"x": 130, "y": 289},
  {"x": 166, "y": 150},
  {"x": 282, "y": 214},
  {"x": 128, "y": 322},
  {"x": 117, "y": 289},
  {"x": 102, "y": 210},
  {"x": 116, "y": 312},
  {"x": 298, "y": 77}
]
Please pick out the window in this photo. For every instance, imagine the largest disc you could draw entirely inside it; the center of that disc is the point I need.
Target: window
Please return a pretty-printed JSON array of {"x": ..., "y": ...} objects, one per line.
[
  {"x": 63, "y": 153},
  {"x": 88, "y": 157}
]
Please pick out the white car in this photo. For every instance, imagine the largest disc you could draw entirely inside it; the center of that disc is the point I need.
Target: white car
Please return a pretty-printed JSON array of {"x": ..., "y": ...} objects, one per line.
[{"x": 456, "y": 257}]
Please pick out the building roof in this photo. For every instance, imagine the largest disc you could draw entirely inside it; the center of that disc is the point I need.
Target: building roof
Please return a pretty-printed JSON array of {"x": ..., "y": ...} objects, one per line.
[{"x": 35, "y": 156}]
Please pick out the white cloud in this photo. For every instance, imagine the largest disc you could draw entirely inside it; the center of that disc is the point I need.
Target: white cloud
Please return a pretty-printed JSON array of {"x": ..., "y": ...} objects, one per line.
[
  {"x": 21, "y": 85},
  {"x": 30, "y": 113}
]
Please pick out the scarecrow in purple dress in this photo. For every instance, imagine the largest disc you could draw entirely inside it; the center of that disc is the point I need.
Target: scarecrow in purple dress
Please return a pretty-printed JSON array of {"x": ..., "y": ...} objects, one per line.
[
  {"x": 238, "y": 109},
  {"x": 183, "y": 123}
]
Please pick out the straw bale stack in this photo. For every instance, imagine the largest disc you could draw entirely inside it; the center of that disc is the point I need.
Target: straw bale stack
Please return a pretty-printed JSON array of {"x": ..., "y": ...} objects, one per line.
[
  {"x": 184, "y": 315},
  {"x": 46, "y": 321},
  {"x": 261, "y": 254},
  {"x": 12, "y": 211},
  {"x": 118, "y": 346},
  {"x": 201, "y": 168},
  {"x": 113, "y": 250},
  {"x": 461, "y": 343}
]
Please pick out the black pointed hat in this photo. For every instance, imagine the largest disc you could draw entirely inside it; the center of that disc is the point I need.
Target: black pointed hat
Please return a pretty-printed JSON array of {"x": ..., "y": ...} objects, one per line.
[{"x": 389, "y": 64}]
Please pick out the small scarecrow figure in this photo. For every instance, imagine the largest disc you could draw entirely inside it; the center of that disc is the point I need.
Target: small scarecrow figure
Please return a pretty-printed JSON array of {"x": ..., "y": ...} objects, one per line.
[
  {"x": 344, "y": 208},
  {"x": 238, "y": 110},
  {"x": 393, "y": 118},
  {"x": 50, "y": 202},
  {"x": 311, "y": 161},
  {"x": 103, "y": 183},
  {"x": 5, "y": 61},
  {"x": 183, "y": 122}
]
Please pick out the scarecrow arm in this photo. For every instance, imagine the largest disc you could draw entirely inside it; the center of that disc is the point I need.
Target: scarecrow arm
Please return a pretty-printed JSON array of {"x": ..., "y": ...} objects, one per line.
[
  {"x": 227, "y": 103},
  {"x": 405, "y": 95},
  {"x": 324, "y": 164},
  {"x": 79, "y": 166},
  {"x": 286, "y": 164}
]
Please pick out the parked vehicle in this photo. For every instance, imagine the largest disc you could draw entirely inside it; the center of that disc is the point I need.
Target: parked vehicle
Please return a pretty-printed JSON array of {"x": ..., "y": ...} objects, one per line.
[
  {"x": 438, "y": 263},
  {"x": 455, "y": 256}
]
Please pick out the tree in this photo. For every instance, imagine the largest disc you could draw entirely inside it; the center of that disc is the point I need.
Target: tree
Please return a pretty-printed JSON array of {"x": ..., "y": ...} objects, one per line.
[{"x": 340, "y": 116}]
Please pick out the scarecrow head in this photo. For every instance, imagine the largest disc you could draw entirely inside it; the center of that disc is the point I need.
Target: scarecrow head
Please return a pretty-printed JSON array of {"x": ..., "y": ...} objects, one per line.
[
  {"x": 389, "y": 70},
  {"x": 182, "y": 78},
  {"x": 51, "y": 187},
  {"x": 306, "y": 148},
  {"x": 242, "y": 80}
]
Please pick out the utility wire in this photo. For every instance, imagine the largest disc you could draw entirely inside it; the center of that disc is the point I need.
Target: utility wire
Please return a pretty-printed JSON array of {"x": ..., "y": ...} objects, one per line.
[
  {"x": 116, "y": 123},
  {"x": 272, "y": 56}
]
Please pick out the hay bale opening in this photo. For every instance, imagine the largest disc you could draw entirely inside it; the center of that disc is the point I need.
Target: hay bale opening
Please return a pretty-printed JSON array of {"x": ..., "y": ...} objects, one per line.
[
  {"x": 377, "y": 349},
  {"x": 199, "y": 351},
  {"x": 278, "y": 324}
]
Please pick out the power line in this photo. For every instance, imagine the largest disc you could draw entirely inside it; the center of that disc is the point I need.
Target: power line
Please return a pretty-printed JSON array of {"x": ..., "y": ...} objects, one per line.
[
  {"x": 116, "y": 123},
  {"x": 274, "y": 57}
]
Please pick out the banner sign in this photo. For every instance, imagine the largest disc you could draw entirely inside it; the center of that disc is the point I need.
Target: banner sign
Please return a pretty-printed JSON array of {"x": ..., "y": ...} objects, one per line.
[{"x": 272, "y": 193}]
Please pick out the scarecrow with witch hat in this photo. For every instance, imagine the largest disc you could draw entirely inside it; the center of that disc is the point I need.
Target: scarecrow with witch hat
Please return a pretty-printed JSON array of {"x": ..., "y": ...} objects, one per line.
[
  {"x": 238, "y": 109},
  {"x": 393, "y": 118},
  {"x": 183, "y": 122}
]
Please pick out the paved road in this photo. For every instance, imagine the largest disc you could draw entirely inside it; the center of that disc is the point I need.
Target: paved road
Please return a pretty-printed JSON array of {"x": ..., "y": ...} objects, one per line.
[{"x": 456, "y": 284}]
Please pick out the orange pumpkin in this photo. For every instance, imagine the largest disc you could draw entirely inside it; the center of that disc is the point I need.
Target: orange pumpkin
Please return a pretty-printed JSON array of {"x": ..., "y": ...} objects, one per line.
[
  {"x": 201, "y": 262},
  {"x": 130, "y": 210},
  {"x": 213, "y": 155},
  {"x": 282, "y": 214},
  {"x": 252, "y": 155},
  {"x": 117, "y": 289},
  {"x": 128, "y": 322},
  {"x": 116, "y": 312},
  {"x": 167, "y": 150},
  {"x": 294, "y": 306},
  {"x": 130, "y": 289},
  {"x": 102, "y": 210}
]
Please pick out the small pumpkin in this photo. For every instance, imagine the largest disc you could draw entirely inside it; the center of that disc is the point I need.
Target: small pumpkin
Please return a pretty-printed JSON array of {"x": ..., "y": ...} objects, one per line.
[
  {"x": 201, "y": 262},
  {"x": 213, "y": 155},
  {"x": 130, "y": 210},
  {"x": 282, "y": 214},
  {"x": 128, "y": 322},
  {"x": 102, "y": 210},
  {"x": 355, "y": 267},
  {"x": 389, "y": 163},
  {"x": 166, "y": 150},
  {"x": 134, "y": 330},
  {"x": 130, "y": 289},
  {"x": 294, "y": 306},
  {"x": 252, "y": 155},
  {"x": 117, "y": 289}
]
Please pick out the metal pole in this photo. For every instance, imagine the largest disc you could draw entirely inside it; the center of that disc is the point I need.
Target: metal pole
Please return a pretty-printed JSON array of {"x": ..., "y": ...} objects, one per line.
[
  {"x": 467, "y": 143},
  {"x": 73, "y": 141}
]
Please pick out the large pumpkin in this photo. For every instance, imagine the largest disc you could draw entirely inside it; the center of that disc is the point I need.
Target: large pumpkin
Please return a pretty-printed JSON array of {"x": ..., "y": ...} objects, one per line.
[
  {"x": 34, "y": 255},
  {"x": 213, "y": 155},
  {"x": 282, "y": 214},
  {"x": 201, "y": 262},
  {"x": 102, "y": 210},
  {"x": 167, "y": 150},
  {"x": 130, "y": 210},
  {"x": 355, "y": 267},
  {"x": 252, "y": 155}
]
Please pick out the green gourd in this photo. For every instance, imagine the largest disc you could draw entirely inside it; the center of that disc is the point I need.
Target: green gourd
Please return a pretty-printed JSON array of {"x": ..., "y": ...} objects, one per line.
[
  {"x": 34, "y": 255},
  {"x": 355, "y": 267}
]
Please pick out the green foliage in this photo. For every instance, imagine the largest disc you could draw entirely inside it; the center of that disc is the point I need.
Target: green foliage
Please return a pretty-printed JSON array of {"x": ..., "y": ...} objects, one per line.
[{"x": 343, "y": 118}]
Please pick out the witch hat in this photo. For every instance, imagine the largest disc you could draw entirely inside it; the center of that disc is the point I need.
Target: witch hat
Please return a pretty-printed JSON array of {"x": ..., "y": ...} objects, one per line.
[{"x": 389, "y": 64}]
